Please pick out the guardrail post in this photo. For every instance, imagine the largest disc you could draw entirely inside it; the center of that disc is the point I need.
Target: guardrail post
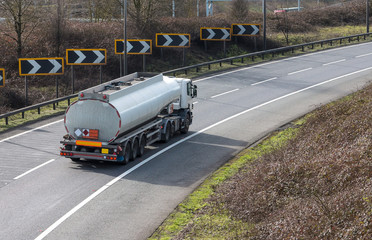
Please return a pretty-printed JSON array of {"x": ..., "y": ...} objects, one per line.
[
  {"x": 231, "y": 62},
  {"x": 263, "y": 56},
  {"x": 252, "y": 58},
  {"x": 303, "y": 48},
  {"x": 54, "y": 106},
  {"x": 68, "y": 102},
  {"x": 242, "y": 60},
  {"x": 220, "y": 64},
  {"x": 197, "y": 69},
  {"x": 273, "y": 54},
  {"x": 349, "y": 39},
  {"x": 340, "y": 41},
  {"x": 38, "y": 110},
  {"x": 6, "y": 120},
  {"x": 312, "y": 46},
  {"x": 358, "y": 38},
  {"x": 185, "y": 72},
  {"x": 209, "y": 66},
  {"x": 321, "y": 44},
  {"x": 331, "y": 42},
  {"x": 292, "y": 50},
  {"x": 23, "y": 114}
]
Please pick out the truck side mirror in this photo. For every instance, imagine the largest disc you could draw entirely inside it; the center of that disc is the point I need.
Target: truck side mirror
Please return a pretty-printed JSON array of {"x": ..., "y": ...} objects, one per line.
[{"x": 195, "y": 91}]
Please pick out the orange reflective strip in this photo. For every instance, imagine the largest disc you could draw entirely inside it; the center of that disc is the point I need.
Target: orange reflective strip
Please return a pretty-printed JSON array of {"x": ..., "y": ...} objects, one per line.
[{"x": 88, "y": 143}]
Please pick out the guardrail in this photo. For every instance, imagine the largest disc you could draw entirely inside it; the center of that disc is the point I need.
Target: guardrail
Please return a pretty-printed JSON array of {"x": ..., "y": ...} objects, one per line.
[
  {"x": 53, "y": 102},
  {"x": 185, "y": 70},
  {"x": 274, "y": 51}
]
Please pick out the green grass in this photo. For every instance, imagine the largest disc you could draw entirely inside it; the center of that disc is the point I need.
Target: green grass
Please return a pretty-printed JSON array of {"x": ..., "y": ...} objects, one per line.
[{"x": 211, "y": 225}]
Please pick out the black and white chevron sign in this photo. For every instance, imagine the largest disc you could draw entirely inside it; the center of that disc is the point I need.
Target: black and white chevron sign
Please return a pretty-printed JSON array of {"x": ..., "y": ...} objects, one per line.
[
  {"x": 134, "y": 46},
  {"x": 41, "y": 66},
  {"x": 2, "y": 77},
  {"x": 86, "y": 56},
  {"x": 172, "y": 40},
  {"x": 215, "y": 34},
  {"x": 245, "y": 29}
]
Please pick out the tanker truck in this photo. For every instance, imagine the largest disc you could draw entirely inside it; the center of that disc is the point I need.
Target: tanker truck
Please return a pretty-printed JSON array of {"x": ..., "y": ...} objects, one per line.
[{"x": 116, "y": 120}]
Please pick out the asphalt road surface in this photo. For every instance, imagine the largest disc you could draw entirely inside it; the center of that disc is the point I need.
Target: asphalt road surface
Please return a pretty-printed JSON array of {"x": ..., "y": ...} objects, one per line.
[{"x": 45, "y": 196}]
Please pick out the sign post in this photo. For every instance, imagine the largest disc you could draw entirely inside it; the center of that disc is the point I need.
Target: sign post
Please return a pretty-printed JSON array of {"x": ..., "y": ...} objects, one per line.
[
  {"x": 2, "y": 77},
  {"x": 174, "y": 40},
  {"x": 215, "y": 34},
  {"x": 135, "y": 47},
  {"x": 40, "y": 66},
  {"x": 92, "y": 57}
]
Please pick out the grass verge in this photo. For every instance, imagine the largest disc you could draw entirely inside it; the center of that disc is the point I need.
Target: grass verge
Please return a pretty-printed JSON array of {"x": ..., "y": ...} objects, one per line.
[
  {"x": 221, "y": 223},
  {"x": 310, "y": 181}
]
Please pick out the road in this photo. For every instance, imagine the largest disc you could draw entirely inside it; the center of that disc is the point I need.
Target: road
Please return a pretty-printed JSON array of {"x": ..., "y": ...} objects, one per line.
[{"x": 44, "y": 196}]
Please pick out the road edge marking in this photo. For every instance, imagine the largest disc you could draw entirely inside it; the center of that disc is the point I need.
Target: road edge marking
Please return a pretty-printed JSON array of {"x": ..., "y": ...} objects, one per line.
[
  {"x": 31, "y": 130},
  {"x": 31, "y": 170}
]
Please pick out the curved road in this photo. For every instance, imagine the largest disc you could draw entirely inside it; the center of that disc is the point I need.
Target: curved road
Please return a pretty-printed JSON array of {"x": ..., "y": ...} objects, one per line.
[{"x": 44, "y": 196}]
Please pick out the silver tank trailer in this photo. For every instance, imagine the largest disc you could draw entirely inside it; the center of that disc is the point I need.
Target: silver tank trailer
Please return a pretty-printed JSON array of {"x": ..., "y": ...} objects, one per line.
[{"x": 115, "y": 111}]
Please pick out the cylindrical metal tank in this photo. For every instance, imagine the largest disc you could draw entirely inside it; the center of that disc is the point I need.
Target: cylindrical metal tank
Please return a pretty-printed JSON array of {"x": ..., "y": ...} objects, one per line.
[{"x": 120, "y": 110}]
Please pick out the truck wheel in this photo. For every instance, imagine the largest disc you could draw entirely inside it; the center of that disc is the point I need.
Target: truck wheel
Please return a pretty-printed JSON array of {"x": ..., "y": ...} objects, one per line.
[
  {"x": 75, "y": 159},
  {"x": 126, "y": 154},
  {"x": 166, "y": 136},
  {"x": 185, "y": 128},
  {"x": 134, "y": 149},
  {"x": 142, "y": 145},
  {"x": 173, "y": 130}
]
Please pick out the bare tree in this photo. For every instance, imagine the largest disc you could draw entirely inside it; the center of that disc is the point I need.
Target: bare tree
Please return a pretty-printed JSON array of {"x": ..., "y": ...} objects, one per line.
[
  {"x": 283, "y": 24},
  {"x": 240, "y": 10},
  {"x": 21, "y": 20}
]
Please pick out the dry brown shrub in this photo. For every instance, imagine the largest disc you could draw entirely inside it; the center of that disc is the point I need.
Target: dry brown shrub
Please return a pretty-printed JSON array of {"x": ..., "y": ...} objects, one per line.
[{"x": 319, "y": 186}]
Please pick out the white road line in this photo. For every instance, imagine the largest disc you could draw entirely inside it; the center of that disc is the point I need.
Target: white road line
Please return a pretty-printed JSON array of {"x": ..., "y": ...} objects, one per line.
[
  {"x": 225, "y": 93},
  {"x": 342, "y": 60},
  {"x": 303, "y": 70},
  {"x": 195, "y": 102},
  {"x": 363, "y": 55},
  {"x": 32, "y": 130},
  {"x": 41, "y": 165},
  {"x": 102, "y": 189},
  {"x": 264, "y": 81},
  {"x": 282, "y": 60}
]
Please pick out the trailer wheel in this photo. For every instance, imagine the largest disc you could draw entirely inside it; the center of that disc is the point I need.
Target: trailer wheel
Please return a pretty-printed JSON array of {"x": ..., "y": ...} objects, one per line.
[
  {"x": 142, "y": 145},
  {"x": 166, "y": 136},
  {"x": 186, "y": 126},
  {"x": 134, "y": 149},
  {"x": 126, "y": 153}
]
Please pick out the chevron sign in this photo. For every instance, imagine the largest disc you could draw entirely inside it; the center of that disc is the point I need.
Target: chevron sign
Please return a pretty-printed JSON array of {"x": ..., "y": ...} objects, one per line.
[
  {"x": 172, "y": 40},
  {"x": 41, "y": 66},
  {"x": 86, "y": 56},
  {"x": 215, "y": 34},
  {"x": 2, "y": 77},
  {"x": 134, "y": 46},
  {"x": 245, "y": 29}
]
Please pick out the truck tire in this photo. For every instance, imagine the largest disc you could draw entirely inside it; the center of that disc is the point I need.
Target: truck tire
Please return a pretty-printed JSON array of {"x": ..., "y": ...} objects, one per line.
[
  {"x": 167, "y": 135},
  {"x": 185, "y": 128},
  {"x": 126, "y": 153},
  {"x": 142, "y": 145},
  {"x": 135, "y": 147},
  {"x": 75, "y": 159}
]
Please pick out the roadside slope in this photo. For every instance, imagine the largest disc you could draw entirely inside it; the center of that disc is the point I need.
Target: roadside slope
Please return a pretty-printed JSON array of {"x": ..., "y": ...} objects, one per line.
[{"x": 315, "y": 183}]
